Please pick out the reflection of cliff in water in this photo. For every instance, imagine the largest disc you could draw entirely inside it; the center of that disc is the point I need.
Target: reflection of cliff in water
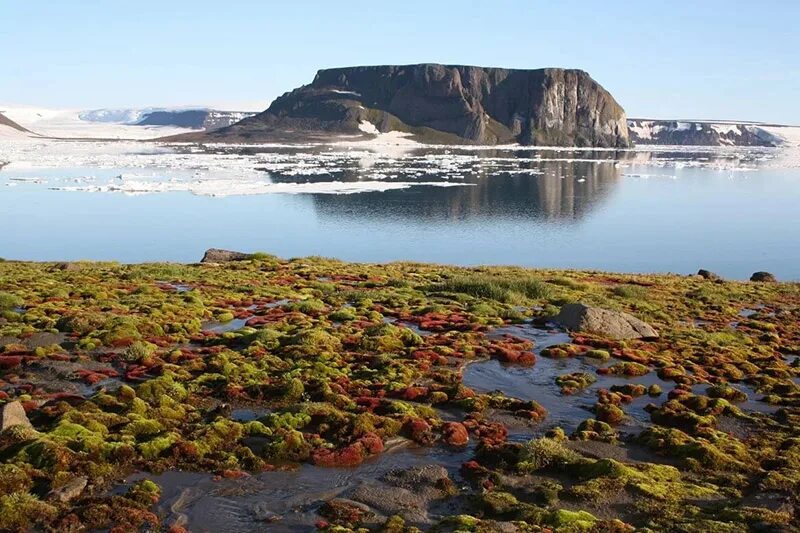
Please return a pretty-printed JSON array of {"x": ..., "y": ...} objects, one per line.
[{"x": 563, "y": 190}]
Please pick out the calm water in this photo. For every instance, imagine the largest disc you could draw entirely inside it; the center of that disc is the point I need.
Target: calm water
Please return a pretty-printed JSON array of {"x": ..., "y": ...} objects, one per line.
[{"x": 662, "y": 212}]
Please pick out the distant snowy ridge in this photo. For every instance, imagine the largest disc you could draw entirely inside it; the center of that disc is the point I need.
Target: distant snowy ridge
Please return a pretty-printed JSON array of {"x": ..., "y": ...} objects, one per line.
[
  {"x": 116, "y": 116},
  {"x": 704, "y": 133},
  {"x": 67, "y": 124},
  {"x": 195, "y": 118}
]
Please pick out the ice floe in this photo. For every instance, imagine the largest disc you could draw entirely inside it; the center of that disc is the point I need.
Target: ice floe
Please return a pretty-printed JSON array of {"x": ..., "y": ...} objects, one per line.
[{"x": 385, "y": 161}]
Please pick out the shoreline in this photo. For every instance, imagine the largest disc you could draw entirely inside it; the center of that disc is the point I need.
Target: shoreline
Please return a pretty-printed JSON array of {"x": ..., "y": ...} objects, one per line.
[{"x": 549, "y": 270}]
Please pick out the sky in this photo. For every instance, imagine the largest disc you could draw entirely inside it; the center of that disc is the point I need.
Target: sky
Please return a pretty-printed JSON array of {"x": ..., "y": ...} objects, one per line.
[{"x": 712, "y": 59}]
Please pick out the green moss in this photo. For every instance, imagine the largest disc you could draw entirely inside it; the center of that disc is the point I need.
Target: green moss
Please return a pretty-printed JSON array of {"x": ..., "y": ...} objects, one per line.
[
  {"x": 309, "y": 306},
  {"x": 14, "y": 478},
  {"x": 155, "y": 447},
  {"x": 602, "y": 355},
  {"x": 498, "y": 503},
  {"x": 500, "y": 288},
  {"x": 633, "y": 292},
  {"x": 345, "y": 314},
  {"x": 154, "y": 390},
  {"x": 144, "y": 492},
  {"x": 10, "y": 301},
  {"x": 20, "y": 510},
  {"x": 139, "y": 351},
  {"x": 541, "y": 453},
  {"x": 576, "y": 520}
]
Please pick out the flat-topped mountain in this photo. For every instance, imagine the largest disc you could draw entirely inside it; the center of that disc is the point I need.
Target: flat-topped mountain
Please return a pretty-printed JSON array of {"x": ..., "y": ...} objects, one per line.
[{"x": 443, "y": 104}]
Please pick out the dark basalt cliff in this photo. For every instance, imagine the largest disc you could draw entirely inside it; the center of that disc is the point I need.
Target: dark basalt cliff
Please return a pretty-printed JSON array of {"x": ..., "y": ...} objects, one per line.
[{"x": 444, "y": 104}]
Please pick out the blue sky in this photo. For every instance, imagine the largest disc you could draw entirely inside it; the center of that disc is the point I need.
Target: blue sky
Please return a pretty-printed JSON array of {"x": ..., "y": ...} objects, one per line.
[{"x": 668, "y": 59}]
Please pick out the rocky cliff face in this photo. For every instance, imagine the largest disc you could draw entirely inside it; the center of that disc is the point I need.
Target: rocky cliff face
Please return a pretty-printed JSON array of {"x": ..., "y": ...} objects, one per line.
[
  {"x": 698, "y": 133},
  {"x": 447, "y": 104}
]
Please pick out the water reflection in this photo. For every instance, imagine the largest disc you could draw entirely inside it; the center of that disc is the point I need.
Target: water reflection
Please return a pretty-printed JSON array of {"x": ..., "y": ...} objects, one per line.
[{"x": 561, "y": 190}]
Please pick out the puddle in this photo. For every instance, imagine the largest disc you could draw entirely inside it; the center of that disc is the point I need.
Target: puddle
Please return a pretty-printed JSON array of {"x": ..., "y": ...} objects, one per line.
[
  {"x": 177, "y": 287},
  {"x": 537, "y": 383},
  {"x": 753, "y": 404},
  {"x": 282, "y": 501},
  {"x": 410, "y": 325},
  {"x": 247, "y": 415},
  {"x": 541, "y": 337},
  {"x": 276, "y": 303},
  {"x": 223, "y": 327}
]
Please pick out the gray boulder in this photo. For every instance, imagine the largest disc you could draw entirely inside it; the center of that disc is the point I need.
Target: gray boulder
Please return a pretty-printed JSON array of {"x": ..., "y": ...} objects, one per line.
[
  {"x": 13, "y": 414},
  {"x": 70, "y": 491},
  {"x": 215, "y": 255},
  {"x": 614, "y": 324},
  {"x": 763, "y": 276},
  {"x": 707, "y": 274}
]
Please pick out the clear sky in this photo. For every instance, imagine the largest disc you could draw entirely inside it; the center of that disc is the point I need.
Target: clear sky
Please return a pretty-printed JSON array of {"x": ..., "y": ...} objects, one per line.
[{"x": 732, "y": 59}]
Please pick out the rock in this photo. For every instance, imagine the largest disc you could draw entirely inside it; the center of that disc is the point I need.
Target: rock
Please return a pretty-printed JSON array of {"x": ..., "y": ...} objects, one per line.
[
  {"x": 42, "y": 339},
  {"x": 70, "y": 491},
  {"x": 262, "y": 513},
  {"x": 6, "y": 341},
  {"x": 215, "y": 255},
  {"x": 68, "y": 267},
  {"x": 455, "y": 434},
  {"x": 344, "y": 511},
  {"x": 763, "y": 276},
  {"x": 614, "y": 324},
  {"x": 407, "y": 492},
  {"x": 442, "y": 104},
  {"x": 393, "y": 500},
  {"x": 418, "y": 477},
  {"x": 707, "y": 274},
  {"x": 13, "y": 414}
]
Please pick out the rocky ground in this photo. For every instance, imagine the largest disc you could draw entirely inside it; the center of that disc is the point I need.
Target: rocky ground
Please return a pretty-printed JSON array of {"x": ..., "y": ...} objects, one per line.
[{"x": 660, "y": 403}]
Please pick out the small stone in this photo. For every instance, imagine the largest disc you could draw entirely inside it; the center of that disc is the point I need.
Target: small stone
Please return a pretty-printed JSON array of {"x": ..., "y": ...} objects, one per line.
[
  {"x": 70, "y": 491},
  {"x": 263, "y": 513},
  {"x": 13, "y": 414},
  {"x": 455, "y": 434},
  {"x": 68, "y": 267},
  {"x": 763, "y": 276}
]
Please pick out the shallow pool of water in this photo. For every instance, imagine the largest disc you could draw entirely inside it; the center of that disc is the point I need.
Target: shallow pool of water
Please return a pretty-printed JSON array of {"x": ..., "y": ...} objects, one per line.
[{"x": 280, "y": 501}]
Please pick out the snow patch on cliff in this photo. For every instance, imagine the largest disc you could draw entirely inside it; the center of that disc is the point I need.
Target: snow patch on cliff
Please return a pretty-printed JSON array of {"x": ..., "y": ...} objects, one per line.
[{"x": 368, "y": 127}]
